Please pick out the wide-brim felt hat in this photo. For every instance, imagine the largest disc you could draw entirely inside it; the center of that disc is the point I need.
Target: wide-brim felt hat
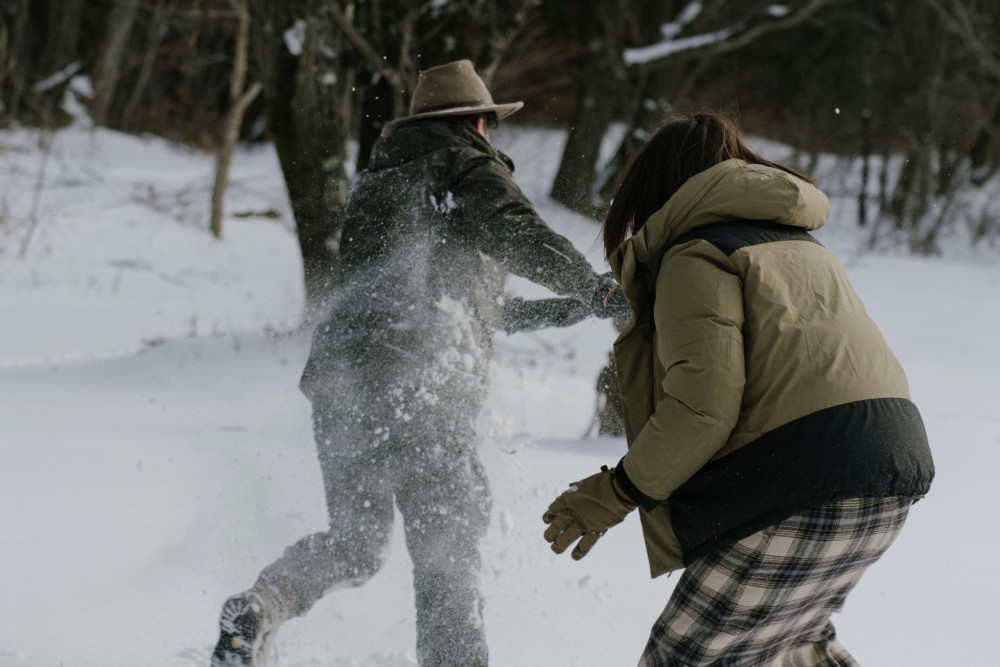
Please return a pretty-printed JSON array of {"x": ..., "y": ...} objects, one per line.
[{"x": 453, "y": 89}]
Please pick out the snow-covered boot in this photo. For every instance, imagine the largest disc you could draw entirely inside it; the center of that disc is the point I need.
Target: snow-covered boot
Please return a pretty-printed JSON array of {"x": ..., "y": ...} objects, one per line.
[{"x": 245, "y": 633}]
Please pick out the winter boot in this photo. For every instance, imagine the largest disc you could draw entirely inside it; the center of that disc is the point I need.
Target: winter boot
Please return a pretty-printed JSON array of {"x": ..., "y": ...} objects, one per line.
[{"x": 245, "y": 633}]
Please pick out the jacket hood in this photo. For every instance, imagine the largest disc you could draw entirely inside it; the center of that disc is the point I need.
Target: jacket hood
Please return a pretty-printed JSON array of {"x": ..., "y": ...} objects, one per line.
[
  {"x": 730, "y": 190},
  {"x": 416, "y": 139}
]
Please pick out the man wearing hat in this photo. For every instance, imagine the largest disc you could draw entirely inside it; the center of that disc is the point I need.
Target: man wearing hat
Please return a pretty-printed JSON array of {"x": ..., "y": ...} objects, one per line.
[{"x": 397, "y": 372}]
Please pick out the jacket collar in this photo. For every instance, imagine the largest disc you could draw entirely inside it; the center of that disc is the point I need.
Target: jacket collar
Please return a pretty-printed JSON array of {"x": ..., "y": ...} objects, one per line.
[{"x": 414, "y": 140}]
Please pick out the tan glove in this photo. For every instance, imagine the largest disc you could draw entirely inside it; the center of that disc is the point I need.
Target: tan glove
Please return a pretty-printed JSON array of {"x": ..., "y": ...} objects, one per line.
[{"x": 586, "y": 511}]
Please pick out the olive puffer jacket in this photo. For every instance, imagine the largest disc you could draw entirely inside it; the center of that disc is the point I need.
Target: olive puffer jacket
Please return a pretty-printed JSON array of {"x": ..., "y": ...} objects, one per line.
[{"x": 754, "y": 384}]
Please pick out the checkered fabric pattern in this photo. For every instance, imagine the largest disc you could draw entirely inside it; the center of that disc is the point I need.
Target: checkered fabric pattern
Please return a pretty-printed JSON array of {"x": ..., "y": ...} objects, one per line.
[{"x": 766, "y": 600}]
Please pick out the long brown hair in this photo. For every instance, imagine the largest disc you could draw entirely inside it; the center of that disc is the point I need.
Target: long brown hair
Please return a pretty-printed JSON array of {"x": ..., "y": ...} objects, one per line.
[{"x": 684, "y": 145}]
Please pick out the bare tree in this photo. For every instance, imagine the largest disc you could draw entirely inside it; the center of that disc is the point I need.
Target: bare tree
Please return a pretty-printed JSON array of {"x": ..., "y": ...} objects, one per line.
[
  {"x": 601, "y": 89},
  {"x": 307, "y": 87},
  {"x": 974, "y": 25},
  {"x": 108, "y": 70},
  {"x": 949, "y": 122},
  {"x": 390, "y": 41},
  {"x": 14, "y": 36},
  {"x": 153, "y": 39},
  {"x": 689, "y": 33},
  {"x": 39, "y": 53},
  {"x": 239, "y": 100}
]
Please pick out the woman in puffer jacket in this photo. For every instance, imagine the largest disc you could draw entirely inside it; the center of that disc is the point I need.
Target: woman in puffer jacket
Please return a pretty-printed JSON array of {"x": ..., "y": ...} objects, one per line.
[{"x": 773, "y": 450}]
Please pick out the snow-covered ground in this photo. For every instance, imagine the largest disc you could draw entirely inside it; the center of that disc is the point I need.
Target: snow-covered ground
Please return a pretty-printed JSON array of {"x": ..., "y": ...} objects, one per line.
[{"x": 156, "y": 453}]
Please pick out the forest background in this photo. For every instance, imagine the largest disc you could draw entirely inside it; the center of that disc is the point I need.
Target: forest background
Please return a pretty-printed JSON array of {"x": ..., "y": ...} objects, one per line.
[{"x": 905, "y": 91}]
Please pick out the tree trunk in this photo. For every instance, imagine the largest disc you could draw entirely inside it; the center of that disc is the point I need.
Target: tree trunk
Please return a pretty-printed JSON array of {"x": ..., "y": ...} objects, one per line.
[
  {"x": 109, "y": 65},
  {"x": 592, "y": 115},
  {"x": 154, "y": 37},
  {"x": 866, "y": 157},
  {"x": 651, "y": 72},
  {"x": 239, "y": 100},
  {"x": 650, "y": 108},
  {"x": 59, "y": 51},
  {"x": 376, "y": 93},
  {"x": 903, "y": 190},
  {"x": 599, "y": 92},
  {"x": 14, "y": 34},
  {"x": 652, "y": 92},
  {"x": 307, "y": 88}
]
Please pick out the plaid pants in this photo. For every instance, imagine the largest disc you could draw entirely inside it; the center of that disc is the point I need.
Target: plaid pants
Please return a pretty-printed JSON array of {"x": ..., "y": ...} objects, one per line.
[{"x": 766, "y": 600}]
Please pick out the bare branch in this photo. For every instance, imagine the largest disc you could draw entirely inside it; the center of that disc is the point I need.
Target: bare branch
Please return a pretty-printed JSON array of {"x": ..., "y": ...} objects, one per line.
[
  {"x": 960, "y": 22},
  {"x": 726, "y": 39},
  {"x": 45, "y": 144},
  {"x": 502, "y": 40},
  {"x": 377, "y": 62},
  {"x": 241, "y": 51},
  {"x": 406, "y": 67},
  {"x": 239, "y": 100}
]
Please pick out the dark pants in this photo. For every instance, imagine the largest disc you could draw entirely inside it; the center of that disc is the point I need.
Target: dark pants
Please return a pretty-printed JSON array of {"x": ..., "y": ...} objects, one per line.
[{"x": 411, "y": 440}]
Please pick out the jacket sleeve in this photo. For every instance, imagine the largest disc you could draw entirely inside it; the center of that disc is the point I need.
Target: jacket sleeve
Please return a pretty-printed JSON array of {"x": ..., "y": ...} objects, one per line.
[
  {"x": 500, "y": 222},
  {"x": 698, "y": 313}
]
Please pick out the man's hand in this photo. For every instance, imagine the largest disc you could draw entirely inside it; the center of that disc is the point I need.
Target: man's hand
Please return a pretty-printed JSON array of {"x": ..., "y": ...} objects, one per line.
[
  {"x": 585, "y": 512},
  {"x": 608, "y": 300},
  {"x": 521, "y": 315}
]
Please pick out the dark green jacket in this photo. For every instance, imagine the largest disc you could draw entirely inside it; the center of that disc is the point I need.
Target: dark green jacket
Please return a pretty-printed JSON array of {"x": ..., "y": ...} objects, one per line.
[
  {"x": 754, "y": 384},
  {"x": 431, "y": 229}
]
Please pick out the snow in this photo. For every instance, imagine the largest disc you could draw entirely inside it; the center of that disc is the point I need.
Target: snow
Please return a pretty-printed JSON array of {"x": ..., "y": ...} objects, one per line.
[
  {"x": 58, "y": 78},
  {"x": 295, "y": 37},
  {"x": 670, "y": 46},
  {"x": 690, "y": 12},
  {"x": 446, "y": 205},
  {"x": 157, "y": 453}
]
